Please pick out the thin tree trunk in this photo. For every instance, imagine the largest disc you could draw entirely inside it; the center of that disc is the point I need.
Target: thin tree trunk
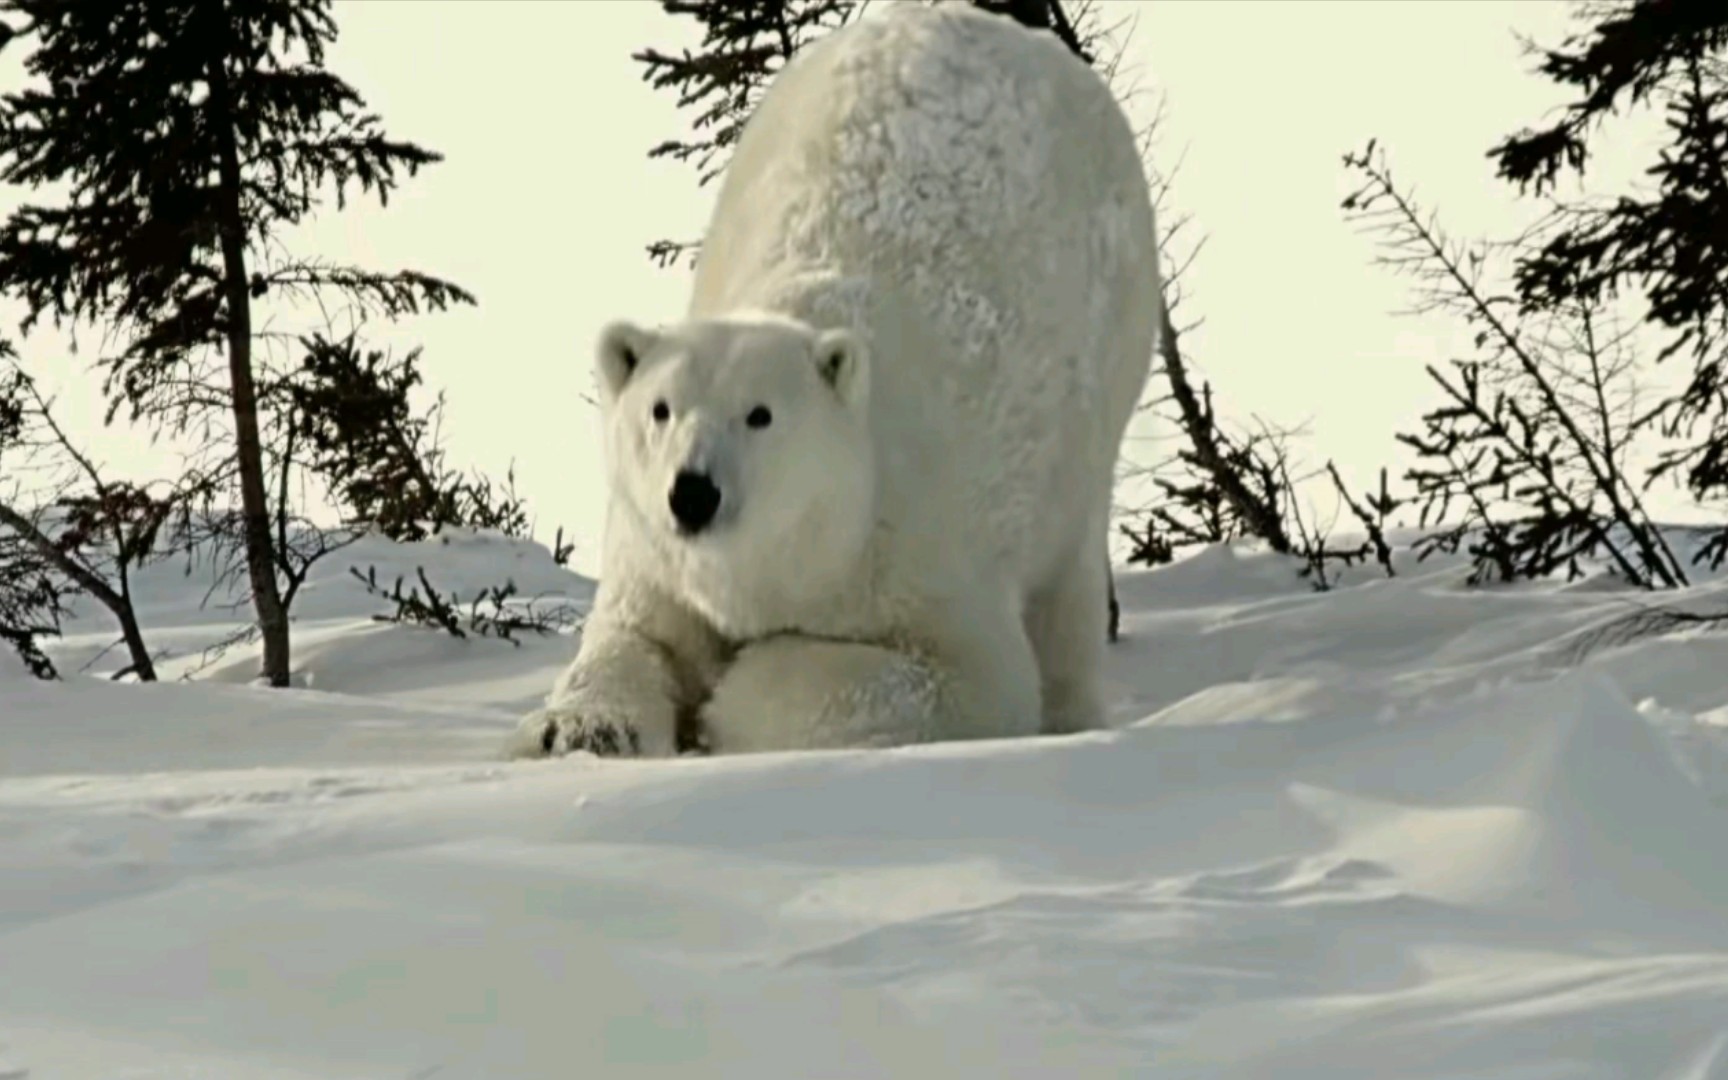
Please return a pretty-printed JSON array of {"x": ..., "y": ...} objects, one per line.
[
  {"x": 1113, "y": 624},
  {"x": 254, "y": 500},
  {"x": 90, "y": 582},
  {"x": 1262, "y": 519}
]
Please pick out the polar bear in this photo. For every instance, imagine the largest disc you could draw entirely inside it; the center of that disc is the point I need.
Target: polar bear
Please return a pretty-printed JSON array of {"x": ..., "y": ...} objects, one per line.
[{"x": 860, "y": 495}]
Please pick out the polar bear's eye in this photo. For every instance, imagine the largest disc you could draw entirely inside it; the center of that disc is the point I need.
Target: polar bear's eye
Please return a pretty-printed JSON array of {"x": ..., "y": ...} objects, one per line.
[
  {"x": 662, "y": 412},
  {"x": 759, "y": 417}
]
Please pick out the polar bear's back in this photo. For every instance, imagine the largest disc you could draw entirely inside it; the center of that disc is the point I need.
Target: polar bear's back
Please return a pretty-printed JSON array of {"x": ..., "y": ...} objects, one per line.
[{"x": 968, "y": 196}]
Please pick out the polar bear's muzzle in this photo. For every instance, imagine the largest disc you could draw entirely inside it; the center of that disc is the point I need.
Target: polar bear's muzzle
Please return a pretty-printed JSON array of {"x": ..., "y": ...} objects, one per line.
[{"x": 694, "y": 501}]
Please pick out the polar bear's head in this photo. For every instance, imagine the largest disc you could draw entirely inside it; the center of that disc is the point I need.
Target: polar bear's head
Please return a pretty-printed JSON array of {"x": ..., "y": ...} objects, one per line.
[{"x": 741, "y": 447}]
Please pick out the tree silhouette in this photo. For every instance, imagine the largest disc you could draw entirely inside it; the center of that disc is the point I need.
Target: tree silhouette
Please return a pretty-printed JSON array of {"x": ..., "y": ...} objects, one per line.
[
  {"x": 380, "y": 455},
  {"x": 187, "y": 134},
  {"x": 1667, "y": 241}
]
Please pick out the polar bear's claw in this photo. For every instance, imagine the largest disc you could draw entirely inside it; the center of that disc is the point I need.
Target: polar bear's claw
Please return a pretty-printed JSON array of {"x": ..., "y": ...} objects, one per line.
[{"x": 551, "y": 733}]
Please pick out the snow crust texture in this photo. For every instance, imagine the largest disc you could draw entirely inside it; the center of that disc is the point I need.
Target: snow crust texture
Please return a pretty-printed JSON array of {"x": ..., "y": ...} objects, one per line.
[{"x": 1390, "y": 831}]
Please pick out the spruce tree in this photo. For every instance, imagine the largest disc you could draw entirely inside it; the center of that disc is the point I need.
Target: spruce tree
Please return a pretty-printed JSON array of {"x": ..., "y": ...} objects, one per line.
[
  {"x": 187, "y": 134},
  {"x": 32, "y": 601},
  {"x": 1665, "y": 242},
  {"x": 378, "y": 454},
  {"x": 745, "y": 43}
]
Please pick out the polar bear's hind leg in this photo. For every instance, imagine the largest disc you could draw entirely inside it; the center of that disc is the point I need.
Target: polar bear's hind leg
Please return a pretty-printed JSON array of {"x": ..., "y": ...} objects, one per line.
[{"x": 1067, "y": 623}]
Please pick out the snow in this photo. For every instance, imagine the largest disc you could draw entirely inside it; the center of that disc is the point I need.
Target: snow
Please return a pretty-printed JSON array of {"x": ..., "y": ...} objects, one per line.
[{"x": 1391, "y": 830}]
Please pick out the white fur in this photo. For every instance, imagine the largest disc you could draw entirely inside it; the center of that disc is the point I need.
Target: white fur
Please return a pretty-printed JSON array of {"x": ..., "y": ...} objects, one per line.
[{"x": 933, "y": 258}]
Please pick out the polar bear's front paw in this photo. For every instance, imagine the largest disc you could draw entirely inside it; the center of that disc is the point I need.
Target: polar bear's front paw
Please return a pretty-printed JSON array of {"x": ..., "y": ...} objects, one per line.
[
  {"x": 558, "y": 730},
  {"x": 569, "y": 734},
  {"x": 798, "y": 693}
]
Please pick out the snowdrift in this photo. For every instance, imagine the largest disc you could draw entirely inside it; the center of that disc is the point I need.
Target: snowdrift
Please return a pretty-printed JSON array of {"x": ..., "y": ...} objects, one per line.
[{"x": 1399, "y": 829}]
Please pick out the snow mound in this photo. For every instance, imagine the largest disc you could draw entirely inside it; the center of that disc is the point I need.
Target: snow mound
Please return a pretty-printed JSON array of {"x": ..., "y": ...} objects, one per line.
[{"x": 1403, "y": 828}]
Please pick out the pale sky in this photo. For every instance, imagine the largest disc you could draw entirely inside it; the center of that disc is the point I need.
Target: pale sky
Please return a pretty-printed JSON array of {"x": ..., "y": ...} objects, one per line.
[{"x": 546, "y": 200}]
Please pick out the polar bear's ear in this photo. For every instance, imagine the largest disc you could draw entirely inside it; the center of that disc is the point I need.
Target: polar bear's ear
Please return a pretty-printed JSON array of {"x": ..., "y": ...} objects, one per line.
[
  {"x": 842, "y": 363},
  {"x": 621, "y": 349}
]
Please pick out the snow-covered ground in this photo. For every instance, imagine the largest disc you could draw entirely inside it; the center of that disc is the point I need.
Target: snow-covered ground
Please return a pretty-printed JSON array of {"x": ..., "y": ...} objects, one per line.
[{"x": 1390, "y": 831}]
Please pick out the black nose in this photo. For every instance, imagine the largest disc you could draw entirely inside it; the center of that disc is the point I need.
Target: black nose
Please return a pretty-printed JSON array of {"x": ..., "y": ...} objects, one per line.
[{"x": 694, "y": 501}]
